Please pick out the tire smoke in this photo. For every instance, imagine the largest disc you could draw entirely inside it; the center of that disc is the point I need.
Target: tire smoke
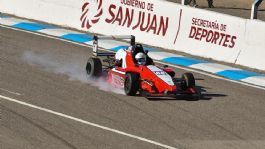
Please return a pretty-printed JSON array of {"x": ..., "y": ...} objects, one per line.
[{"x": 72, "y": 68}]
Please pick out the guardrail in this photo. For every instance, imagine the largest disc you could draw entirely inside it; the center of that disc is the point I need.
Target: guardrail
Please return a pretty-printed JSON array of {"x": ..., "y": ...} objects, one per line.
[{"x": 254, "y": 9}]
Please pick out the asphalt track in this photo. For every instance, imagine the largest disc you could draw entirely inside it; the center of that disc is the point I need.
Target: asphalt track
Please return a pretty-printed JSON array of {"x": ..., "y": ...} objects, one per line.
[{"x": 48, "y": 73}]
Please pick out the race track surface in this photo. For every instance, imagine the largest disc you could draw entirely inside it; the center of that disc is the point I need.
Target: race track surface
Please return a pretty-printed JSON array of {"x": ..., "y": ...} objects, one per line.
[{"x": 49, "y": 73}]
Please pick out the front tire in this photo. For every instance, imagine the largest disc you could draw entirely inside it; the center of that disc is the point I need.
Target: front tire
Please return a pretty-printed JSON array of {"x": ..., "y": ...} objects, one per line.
[
  {"x": 189, "y": 81},
  {"x": 131, "y": 84},
  {"x": 94, "y": 68}
]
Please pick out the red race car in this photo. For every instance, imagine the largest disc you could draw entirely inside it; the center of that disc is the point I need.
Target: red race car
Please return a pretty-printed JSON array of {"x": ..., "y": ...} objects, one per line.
[{"x": 132, "y": 69}]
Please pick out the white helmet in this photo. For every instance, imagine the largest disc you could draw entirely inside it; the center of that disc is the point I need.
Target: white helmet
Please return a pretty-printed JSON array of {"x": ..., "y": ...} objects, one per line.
[{"x": 140, "y": 58}]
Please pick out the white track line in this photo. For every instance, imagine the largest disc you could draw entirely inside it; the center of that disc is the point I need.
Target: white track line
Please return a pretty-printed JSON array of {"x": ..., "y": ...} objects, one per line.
[
  {"x": 86, "y": 122},
  {"x": 183, "y": 68}
]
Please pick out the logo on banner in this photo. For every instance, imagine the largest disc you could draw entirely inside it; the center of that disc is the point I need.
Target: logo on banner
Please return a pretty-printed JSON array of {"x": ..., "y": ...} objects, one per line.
[
  {"x": 135, "y": 15},
  {"x": 211, "y": 32},
  {"x": 91, "y": 12}
]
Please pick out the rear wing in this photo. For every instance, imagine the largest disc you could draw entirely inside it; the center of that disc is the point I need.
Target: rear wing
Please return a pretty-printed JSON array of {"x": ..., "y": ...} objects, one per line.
[{"x": 96, "y": 38}]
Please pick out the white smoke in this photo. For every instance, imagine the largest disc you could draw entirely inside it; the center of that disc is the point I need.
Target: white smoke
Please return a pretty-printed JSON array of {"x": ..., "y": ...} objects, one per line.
[{"x": 72, "y": 69}]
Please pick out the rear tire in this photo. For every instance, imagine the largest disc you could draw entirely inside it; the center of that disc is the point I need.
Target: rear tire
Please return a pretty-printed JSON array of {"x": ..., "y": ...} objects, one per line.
[
  {"x": 131, "y": 84},
  {"x": 94, "y": 67},
  {"x": 189, "y": 80}
]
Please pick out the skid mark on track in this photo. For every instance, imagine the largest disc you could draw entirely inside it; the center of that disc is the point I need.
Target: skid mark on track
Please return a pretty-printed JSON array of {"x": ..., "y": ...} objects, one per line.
[
  {"x": 48, "y": 132},
  {"x": 11, "y": 92}
]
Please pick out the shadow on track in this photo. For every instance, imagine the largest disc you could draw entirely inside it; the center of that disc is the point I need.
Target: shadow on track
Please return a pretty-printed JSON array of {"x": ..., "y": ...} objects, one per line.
[{"x": 204, "y": 96}]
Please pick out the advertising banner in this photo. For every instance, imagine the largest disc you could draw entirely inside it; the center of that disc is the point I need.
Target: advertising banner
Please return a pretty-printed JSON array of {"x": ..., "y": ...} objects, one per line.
[{"x": 211, "y": 35}]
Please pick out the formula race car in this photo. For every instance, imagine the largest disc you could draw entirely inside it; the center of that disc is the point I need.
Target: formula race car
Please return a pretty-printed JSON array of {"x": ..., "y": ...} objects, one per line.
[{"x": 134, "y": 71}]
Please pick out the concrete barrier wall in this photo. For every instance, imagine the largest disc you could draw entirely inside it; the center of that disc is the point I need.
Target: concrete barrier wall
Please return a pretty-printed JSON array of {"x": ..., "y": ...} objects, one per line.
[
  {"x": 253, "y": 52},
  {"x": 60, "y": 12},
  {"x": 158, "y": 23}
]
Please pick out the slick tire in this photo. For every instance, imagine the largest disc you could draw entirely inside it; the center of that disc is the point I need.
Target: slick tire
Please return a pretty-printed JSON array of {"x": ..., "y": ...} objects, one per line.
[
  {"x": 93, "y": 68},
  {"x": 131, "y": 84},
  {"x": 189, "y": 80}
]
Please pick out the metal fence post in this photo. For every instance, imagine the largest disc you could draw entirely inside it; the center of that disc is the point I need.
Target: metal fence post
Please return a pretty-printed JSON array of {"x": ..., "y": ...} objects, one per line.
[
  {"x": 182, "y": 2},
  {"x": 254, "y": 9}
]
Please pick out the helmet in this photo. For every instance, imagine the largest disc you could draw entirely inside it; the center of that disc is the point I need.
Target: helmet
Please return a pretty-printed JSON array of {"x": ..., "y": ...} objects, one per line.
[{"x": 140, "y": 58}]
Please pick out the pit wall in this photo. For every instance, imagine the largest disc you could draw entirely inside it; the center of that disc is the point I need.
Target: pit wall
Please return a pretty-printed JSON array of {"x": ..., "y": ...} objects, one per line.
[{"x": 157, "y": 23}]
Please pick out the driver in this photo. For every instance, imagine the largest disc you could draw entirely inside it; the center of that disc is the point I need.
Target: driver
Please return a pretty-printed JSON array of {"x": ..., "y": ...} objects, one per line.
[{"x": 140, "y": 58}]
